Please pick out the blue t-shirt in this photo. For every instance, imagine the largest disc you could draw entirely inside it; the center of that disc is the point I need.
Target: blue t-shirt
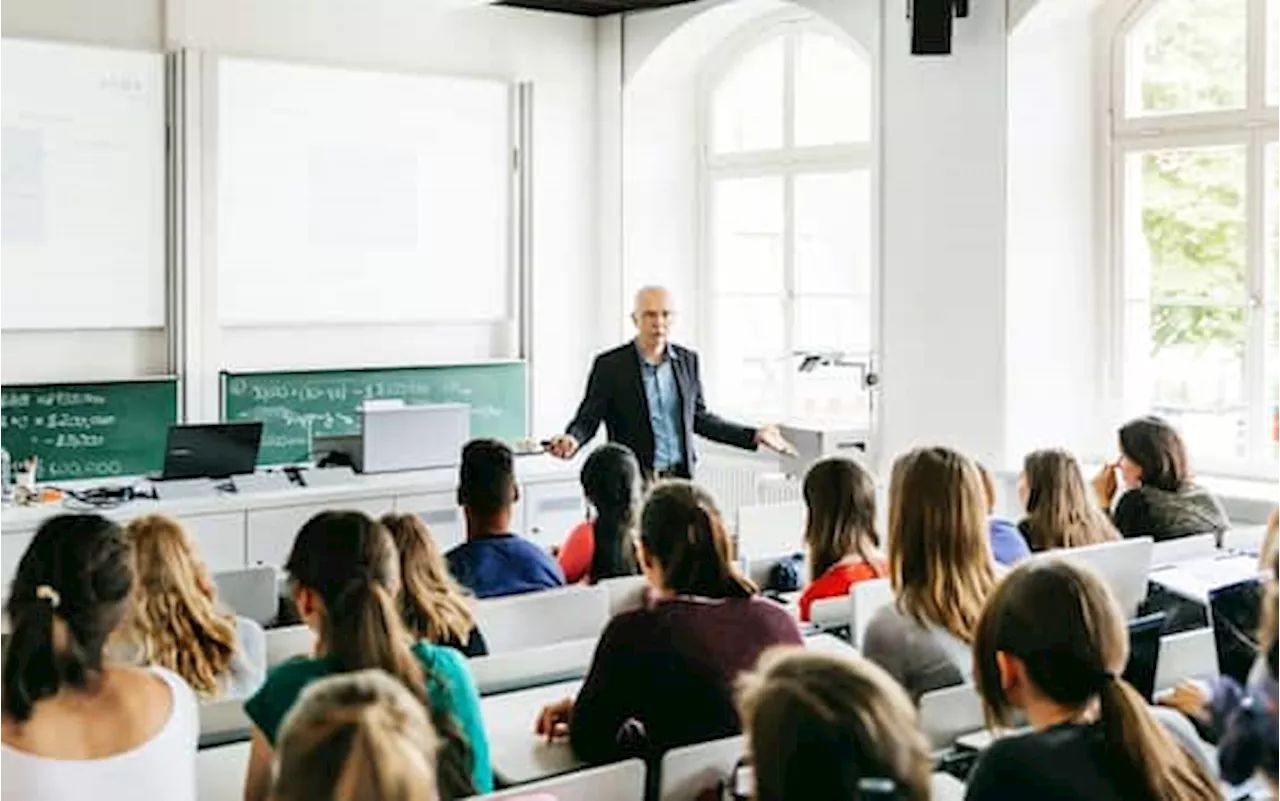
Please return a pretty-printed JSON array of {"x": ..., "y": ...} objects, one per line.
[
  {"x": 1008, "y": 546},
  {"x": 503, "y": 564}
]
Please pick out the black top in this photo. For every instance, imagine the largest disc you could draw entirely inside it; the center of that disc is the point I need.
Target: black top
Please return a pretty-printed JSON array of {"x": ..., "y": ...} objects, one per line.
[
  {"x": 1164, "y": 515},
  {"x": 474, "y": 646},
  {"x": 1066, "y": 762},
  {"x": 615, "y": 396}
]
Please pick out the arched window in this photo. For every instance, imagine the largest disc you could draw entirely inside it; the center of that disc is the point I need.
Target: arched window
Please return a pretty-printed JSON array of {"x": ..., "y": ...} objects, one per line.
[
  {"x": 1194, "y": 225},
  {"x": 788, "y": 252}
]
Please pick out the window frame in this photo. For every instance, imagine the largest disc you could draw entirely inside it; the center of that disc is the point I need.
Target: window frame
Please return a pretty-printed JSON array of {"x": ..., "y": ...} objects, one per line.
[
  {"x": 787, "y": 162},
  {"x": 1254, "y": 127}
]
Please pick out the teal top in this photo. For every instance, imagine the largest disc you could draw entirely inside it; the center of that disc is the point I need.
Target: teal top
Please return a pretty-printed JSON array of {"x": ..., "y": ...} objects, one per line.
[{"x": 449, "y": 687}]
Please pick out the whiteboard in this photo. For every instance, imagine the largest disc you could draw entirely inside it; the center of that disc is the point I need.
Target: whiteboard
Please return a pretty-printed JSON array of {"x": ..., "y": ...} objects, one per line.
[
  {"x": 351, "y": 197},
  {"x": 82, "y": 206}
]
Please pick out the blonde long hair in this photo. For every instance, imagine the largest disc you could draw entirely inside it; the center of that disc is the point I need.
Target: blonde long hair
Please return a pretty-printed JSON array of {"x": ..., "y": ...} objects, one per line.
[
  {"x": 431, "y": 601},
  {"x": 174, "y": 618},
  {"x": 357, "y": 737},
  {"x": 1061, "y": 513},
  {"x": 940, "y": 562}
]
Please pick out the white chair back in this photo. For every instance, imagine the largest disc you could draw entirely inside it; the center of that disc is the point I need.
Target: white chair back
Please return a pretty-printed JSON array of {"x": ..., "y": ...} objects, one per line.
[
  {"x": 1186, "y": 655},
  {"x": 223, "y": 721},
  {"x": 1183, "y": 549},
  {"x": 534, "y": 619},
  {"x": 621, "y": 780},
  {"x": 950, "y": 712},
  {"x": 865, "y": 599},
  {"x": 287, "y": 642},
  {"x": 770, "y": 529},
  {"x": 832, "y": 613},
  {"x": 251, "y": 592},
  {"x": 1124, "y": 565},
  {"x": 688, "y": 771},
  {"x": 625, "y": 593},
  {"x": 1244, "y": 539},
  {"x": 220, "y": 772},
  {"x": 532, "y": 667}
]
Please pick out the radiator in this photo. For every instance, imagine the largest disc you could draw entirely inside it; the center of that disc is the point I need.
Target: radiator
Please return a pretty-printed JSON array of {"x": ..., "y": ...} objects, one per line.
[{"x": 742, "y": 481}]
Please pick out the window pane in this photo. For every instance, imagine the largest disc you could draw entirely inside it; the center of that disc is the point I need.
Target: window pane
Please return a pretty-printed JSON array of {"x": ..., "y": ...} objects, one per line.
[
  {"x": 1186, "y": 56},
  {"x": 833, "y": 324},
  {"x": 1273, "y": 51},
  {"x": 749, "y": 345},
  {"x": 748, "y": 236},
  {"x": 1271, "y": 392},
  {"x": 832, "y": 394},
  {"x": 833, "y": 233},
  {"x": 832, "y": 92},
  {"x": 1188, "y": 208},
  {"x": 746, "y": 107}
]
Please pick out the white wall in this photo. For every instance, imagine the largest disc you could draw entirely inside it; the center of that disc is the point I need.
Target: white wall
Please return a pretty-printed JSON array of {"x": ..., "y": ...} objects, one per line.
[
  {"x": 1053, "y": 373},
  {"x": 554, "y": 51}
]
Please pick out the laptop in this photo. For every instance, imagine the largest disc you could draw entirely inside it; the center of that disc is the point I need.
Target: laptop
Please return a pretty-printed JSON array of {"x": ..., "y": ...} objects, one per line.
[
  {"x": 1144, "y": 653},
  {"x": 1234, "y": 612},
  {"x": 211, "y": 450}
]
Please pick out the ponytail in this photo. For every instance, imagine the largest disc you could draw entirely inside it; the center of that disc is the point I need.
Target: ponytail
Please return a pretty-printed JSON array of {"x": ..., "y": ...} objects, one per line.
[
  {"x": 613, "y": 552},
  {"x": 69, "y": 593},
  {"x": 681, "y": 528},
  {"x": 1149, "y": 763},
  {"x": 611, "y": 481}
]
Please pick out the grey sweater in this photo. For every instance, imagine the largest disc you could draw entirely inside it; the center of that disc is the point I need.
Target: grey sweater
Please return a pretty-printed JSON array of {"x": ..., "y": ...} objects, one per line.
[{"x": 920, "y": 658}]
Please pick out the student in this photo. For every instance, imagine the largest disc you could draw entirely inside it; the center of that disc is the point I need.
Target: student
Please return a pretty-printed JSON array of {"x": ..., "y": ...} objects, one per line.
[
  {"x": 941, "y": 568},
  {"x": 1008, "y": 546},
  {"x": 76, "y": 728},
  {"x": 493, "y": 561},
  {"x": 1158, "y": 498},
  {"x": 1052, "y": 643},
  {"x": 431, "y": 602},
  {"x": 357, "y": 737},
  {"x": 831, "y": 728},
  {"x": 1060, "y": 511},
  {"x": 175, "y": 620},
  {"x": 605, "y": 547},
  {"x": 663, "y": 676},
  {"x": 344, "y": 575},
  {"x": 840, "y": 530}
]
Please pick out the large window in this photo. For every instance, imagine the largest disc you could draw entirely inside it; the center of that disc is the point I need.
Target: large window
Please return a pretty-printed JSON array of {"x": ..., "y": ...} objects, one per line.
[
  {"x": 1195, "y": 177},
  {"x": 788, "y": 190}
]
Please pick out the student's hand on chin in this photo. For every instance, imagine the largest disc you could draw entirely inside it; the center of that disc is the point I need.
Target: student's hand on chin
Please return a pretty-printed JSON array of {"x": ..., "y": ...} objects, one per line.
[
  {"x": 553, "y": 720},
  {"x": 1105, "y": 484}
]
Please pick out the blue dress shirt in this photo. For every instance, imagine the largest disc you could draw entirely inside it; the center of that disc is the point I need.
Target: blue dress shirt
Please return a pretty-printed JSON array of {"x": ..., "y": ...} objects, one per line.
[{"x": 664, "y": 409}]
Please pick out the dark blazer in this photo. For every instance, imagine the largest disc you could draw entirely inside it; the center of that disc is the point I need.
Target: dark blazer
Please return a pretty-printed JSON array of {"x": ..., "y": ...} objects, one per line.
[{"x": 615, "y": 395}]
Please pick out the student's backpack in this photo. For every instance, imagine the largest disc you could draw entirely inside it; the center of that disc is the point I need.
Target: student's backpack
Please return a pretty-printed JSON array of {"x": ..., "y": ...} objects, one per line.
[{"x": 785, "y": 576}]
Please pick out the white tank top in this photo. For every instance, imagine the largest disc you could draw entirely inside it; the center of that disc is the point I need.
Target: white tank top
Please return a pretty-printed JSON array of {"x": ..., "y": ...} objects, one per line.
[{"x": 161, "y": 769}]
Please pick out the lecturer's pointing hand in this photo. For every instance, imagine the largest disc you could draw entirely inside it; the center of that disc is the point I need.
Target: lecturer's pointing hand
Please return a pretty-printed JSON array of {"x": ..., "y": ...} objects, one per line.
[
  {"x": 770, "y": 437},
  {"x": 563, "y": 446}
]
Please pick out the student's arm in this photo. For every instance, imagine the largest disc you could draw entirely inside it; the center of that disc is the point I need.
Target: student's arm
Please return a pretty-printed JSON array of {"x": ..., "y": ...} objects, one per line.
[
  {"x": 1130, "y": 517},
  {"x": 607, "y": 698},
  {"x": 257, "y": 779},
  {"x": 712, "y": 426},
  {"x": 595, "y": 401},
  {"x": 576, "y": 553}
]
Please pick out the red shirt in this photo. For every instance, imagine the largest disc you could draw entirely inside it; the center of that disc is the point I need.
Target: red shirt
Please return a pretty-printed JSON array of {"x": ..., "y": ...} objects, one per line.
[
  {"x": 577, "y": 552},
  {"x": 836, "y": 582}
]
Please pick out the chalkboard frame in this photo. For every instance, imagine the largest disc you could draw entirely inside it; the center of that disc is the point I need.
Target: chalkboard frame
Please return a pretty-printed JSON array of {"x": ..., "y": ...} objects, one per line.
[{"x": 225, "y": 376}]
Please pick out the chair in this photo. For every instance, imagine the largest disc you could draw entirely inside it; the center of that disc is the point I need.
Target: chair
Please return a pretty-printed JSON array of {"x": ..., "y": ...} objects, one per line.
[
  {"x": 223, "y": 722},
  {"x": 1244, "y": 539},
  {"x": 251, "y": 592},
  {"x": 950, "y": 712},
  {"x": 685, "y": 772},
  {"x": 287, "y": 642},
  {"x": 625, "y": 593},
  {"x": 1183, "y": 549},
  {"x": 770, "y": 529},
  {"x": 621, "y": 780},
  {"x": 532, "y": 667},
  {"x": 832, "y": 613},
  {"x": 517, "y": 622},
  {"x": 220, "y": 772},
  {"x": 1124, "y": 565},
  {"x": 1186, "y": 655},
  {"x": 866, "y": 598}
]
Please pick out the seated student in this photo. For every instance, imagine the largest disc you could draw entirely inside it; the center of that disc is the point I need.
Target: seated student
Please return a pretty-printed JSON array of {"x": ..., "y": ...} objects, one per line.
[
  {"x": 357, "y": 737},
  {"x": 605, "y": 547},
  {"x": 663, "y": 676},
  {"x": 1008, "y": 546},
  {"x": 493, "y": 561},
  {"x": 831, "y": 728},
  {"x": 344, "y": 574},
  {"x": 941, "y": 568},
  {"x": 840, "y": 529},
  {"x": 73, "y": 727},
  {"x": 175, "y": 620},
  {"x": 1158, "y": 498},
  {"x": 1060, "y": 511},
  {"x": 431, "y": 602},
  {"x": 1053, "y": 643}
]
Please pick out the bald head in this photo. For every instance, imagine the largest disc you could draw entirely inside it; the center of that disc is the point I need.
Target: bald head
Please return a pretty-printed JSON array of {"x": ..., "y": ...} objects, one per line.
[{"x": 652, "y": 314}]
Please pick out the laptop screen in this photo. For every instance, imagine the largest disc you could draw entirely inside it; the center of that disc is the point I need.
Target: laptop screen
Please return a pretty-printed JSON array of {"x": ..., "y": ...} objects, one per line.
[
  {"x": 1144, "y": 653},
  {"x": 215, "y": 450},
  {"x": 1234, "y": 612}
]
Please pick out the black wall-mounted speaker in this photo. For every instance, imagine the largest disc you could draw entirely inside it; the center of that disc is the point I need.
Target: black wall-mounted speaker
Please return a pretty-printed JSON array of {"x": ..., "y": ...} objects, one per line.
[{"x": 931, "y": 22}]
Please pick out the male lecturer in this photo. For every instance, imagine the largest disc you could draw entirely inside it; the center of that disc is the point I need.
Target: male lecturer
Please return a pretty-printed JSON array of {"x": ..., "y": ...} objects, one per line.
[{"x": 648, "y": 392}]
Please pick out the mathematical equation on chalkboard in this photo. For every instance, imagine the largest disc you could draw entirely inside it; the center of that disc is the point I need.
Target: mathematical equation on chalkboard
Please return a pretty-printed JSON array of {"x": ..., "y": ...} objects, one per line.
[{"x": 339, "y": 391}]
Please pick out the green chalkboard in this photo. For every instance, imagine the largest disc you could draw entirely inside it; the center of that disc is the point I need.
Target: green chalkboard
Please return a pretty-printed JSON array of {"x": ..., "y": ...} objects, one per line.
[
  {"x": 298, "y": 405},
  {"x": 113, "y": 428}
]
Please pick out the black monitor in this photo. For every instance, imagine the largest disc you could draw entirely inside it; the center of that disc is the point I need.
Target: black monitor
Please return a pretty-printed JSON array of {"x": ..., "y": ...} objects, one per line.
[
  {"x": 1144, "y": 653},
  {"x": 1234, "y": 612},
  {"x": 211, "y": 450}
]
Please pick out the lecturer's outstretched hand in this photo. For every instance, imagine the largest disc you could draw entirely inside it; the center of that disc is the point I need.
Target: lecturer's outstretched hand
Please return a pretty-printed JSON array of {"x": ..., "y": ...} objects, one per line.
[
  {"x": 770, "y": 437},
  {"x": 563, "y": 446}
]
